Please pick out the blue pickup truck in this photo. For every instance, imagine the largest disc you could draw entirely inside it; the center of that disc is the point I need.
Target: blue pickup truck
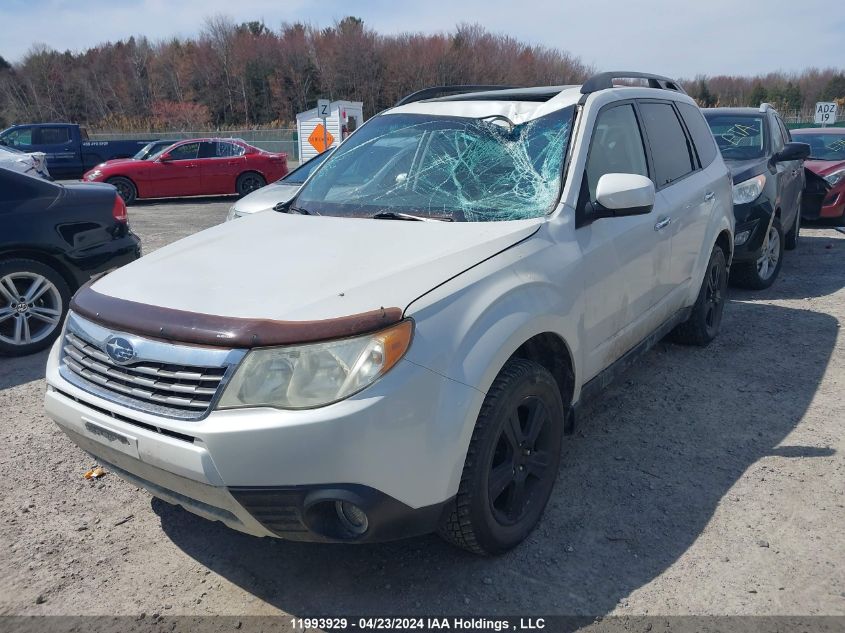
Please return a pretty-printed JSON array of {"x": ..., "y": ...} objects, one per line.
[{"x": 69, "y": 152}]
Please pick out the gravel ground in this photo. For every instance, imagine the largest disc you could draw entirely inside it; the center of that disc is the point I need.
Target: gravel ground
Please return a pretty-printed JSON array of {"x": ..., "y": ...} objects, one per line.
[{"x": 703, "y": 482}]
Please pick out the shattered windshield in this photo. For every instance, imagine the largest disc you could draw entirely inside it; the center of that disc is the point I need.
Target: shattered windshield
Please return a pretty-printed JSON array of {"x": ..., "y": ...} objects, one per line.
[
  {"x": 739, "y": 137},
  {"x": 443, "y": 167}
]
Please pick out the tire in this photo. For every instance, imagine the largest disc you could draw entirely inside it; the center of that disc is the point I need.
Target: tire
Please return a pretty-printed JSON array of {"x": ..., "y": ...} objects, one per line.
[
  {"x": 755, "y": 276},
  {"x": 29, "y": 324},
  {"x": 703, "y": 324},
  {"x": 790, "y": 240},
  {"x": 126, "y": 189},
  {"x": 486, "y": 521},
  {"x": 248, "y": 182}
]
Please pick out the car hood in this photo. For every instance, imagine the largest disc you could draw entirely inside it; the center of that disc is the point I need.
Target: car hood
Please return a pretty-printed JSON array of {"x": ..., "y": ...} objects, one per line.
[
  {"x": 302, "y": 268},
  {"x": 266, "y": 198},
  {"x": 824, "y": 167},
  {"x": 745, "y": 169},
  {"x": 117, "y": 162}
]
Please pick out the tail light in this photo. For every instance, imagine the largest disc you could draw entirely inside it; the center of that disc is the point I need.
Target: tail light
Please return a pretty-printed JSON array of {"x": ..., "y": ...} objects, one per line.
[{"x": 118, "y": 211}]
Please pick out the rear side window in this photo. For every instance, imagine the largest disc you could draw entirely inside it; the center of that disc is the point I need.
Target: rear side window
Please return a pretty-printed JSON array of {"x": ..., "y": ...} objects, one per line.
[
  {"x": 669, "y": 147},
  {"x": 702, "y": 137},
  {"x": 51, "y": 135}
]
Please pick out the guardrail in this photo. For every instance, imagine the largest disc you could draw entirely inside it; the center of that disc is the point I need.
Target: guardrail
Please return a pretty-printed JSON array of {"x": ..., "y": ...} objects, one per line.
[{"x": 271, "y": 140}]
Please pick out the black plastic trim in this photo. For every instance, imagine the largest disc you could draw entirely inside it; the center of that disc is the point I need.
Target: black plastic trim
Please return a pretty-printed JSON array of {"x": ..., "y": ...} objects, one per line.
[{"x": 307, "y": 513}]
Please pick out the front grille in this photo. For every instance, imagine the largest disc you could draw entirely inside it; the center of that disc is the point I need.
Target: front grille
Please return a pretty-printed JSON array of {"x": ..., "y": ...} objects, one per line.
[{"x": 166, "y": 388}]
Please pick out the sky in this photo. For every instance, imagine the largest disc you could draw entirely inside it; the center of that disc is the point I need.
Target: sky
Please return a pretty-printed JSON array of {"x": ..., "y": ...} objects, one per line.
[{"x": 683, "y": 38}]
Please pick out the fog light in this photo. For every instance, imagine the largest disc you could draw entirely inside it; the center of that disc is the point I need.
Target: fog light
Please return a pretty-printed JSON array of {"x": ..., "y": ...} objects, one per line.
[
  {"x": 352, "y": 517},
  {"x": 741, "y": 238}
]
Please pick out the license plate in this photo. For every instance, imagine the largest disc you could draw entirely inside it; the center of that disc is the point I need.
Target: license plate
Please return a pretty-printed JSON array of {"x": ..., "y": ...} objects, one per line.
[{"x": 118, "y": 441}]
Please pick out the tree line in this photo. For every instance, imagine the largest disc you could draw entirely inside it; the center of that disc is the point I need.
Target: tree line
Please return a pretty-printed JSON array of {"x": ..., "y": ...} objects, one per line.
[{"x": 248, "y": 75}]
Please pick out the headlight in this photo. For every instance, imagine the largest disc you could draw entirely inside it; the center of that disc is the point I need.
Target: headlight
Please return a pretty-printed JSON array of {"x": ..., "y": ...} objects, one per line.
[
  {"x": 749, "y": 190},
  {"x": 93, "y": 175},
  {"x": 314, "y": 375},
  {"x": 835, "y": 178},
  {"x": 232, "y": 214}
]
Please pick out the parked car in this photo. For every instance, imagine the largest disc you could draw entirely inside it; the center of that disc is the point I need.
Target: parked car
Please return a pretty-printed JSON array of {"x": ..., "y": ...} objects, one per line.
[
  {"x": 280, "y": 191},
  {"x": 768, "y": 176},
  {"x": 409, "y": 360},
  {"x": 69, "y": 152},
  {"x": 53, "y": 239},
  {"x": 827, "y": 160},
  {"x": 196, "y": 167},
  {"x": 33, "y": 163}
]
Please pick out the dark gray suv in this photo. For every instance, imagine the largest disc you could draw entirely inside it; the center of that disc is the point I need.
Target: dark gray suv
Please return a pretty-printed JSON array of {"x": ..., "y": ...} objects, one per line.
[{"x": 768, "y": 175}]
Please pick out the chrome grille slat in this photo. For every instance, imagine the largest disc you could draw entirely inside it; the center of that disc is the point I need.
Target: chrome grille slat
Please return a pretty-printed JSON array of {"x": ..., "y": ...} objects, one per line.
[{"x": 165, "y": 387}]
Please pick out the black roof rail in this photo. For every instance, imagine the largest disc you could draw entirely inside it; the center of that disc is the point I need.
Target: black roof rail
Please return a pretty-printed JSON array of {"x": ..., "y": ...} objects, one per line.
[
  {"x": 603, "y": 81},
  {"x": 438, "y": 91}
]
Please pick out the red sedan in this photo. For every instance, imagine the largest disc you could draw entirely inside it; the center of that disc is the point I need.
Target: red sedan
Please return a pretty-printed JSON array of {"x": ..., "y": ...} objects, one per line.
[
  {"x": 827, "y": 159},
  {"x": 198, "y": 167}
]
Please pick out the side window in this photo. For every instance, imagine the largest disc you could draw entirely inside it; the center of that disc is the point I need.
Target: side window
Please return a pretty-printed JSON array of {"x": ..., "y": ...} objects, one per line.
[
  {"x": 670, "y": 149},
  {"x": 702, "y": 137},
  {"x": 51, "y": 135},
  {"x": 21, "y": 137},
  {"x": 208, "y": 149},
  {"x": 775, "y": 134},
  {"x": 616, "y": 146},
  {"x": 227, "y": 150},
  {"x": 188, "y": 151}
]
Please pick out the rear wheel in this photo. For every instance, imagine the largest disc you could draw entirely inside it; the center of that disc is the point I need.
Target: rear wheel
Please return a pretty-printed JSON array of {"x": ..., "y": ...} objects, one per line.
[
  {"x": 762, "y": 273},
  {"x": 33, "y": 303},
  {"x": 512, "y": 461},
  {"x": 125, "y": 189},
  {"x": 703, "y": 324},
  {"x": 249, "y": 182}
]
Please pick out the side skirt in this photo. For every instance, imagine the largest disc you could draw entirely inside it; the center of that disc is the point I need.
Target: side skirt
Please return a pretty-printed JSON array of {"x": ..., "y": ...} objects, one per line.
[{"x": 596, "y": 385}]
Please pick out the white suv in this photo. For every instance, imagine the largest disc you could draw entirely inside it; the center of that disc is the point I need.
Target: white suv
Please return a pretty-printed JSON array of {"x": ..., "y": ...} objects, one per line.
[{"x": 402, "y": 348}]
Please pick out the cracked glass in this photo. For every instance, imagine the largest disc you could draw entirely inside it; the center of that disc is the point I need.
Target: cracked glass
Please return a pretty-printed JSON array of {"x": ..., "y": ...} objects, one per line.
[{"x": 443, "y": 167}]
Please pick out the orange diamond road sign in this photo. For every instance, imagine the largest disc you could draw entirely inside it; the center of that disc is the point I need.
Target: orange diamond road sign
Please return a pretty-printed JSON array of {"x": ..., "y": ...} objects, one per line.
[{"x": 320, "y": 138}]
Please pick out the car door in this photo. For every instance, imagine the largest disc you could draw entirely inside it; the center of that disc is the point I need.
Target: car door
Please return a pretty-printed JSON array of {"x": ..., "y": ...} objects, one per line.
[
  {"x": 221, "y": 162},
  {"x": 626, "y": 259},
  {"x": 784, "y": 172},
  {"x": 795, "y": 181},
  {"x": 56, "y": 142},
  {"x": 177, "y": 172},
  {"x": 687, "y": 188}
]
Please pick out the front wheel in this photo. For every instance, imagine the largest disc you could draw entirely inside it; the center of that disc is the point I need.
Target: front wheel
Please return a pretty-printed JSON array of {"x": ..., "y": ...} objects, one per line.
[
  {"x": 703, "y": 324},
  {"x": 249, "y": 182},
  {"x": 512, "y": 461},
  {"x": 761, "y": 274},
  {"x": 125, "y": 189}
]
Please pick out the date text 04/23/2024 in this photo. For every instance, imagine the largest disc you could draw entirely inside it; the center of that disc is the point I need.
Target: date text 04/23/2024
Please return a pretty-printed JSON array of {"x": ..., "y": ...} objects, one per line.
[{"x": 410, "y": 624}]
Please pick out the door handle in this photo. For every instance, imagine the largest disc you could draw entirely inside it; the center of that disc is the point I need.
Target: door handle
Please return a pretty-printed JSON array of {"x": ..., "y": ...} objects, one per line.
[
  {"x": 190, "y": 166},
  {"x": 709, "y": 196},
  {"x": 662, "y": 224}
]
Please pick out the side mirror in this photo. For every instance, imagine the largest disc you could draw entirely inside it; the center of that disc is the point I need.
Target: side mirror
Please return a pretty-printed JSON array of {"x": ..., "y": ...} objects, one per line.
[
  {"x": 165, "y": 158},
  {"x": 793, "y": 151},
  {"x": 619, "y": 195}
]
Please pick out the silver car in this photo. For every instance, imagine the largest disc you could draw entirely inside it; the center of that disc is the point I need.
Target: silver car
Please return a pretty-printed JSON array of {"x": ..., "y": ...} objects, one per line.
[{"x": 280, "y": 191}]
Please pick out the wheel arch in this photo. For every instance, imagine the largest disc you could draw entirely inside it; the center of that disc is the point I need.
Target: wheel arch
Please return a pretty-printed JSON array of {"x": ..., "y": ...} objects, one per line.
[{"x": 48, "y": 259}]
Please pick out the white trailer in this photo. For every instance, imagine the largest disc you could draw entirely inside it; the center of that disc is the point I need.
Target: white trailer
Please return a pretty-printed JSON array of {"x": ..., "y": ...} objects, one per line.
[{"x": 344, "y": 118}]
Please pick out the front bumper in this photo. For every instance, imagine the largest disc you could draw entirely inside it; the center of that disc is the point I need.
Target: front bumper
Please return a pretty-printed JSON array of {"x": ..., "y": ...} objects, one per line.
[
  {"x": 390, "y": 450},
  {"x": 755, "y": 218},
  {"x": 834, "y": 204}
]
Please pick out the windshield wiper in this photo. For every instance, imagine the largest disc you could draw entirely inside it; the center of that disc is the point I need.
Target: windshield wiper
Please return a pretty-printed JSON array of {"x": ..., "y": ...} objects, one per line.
[
  {"x": 285, "y": 207},
  {"x": 395, "y": 215}
]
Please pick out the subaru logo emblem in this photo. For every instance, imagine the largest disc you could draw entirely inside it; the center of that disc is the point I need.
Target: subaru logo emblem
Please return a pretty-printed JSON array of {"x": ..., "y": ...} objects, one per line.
[{"x": 119, "y": 349}]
